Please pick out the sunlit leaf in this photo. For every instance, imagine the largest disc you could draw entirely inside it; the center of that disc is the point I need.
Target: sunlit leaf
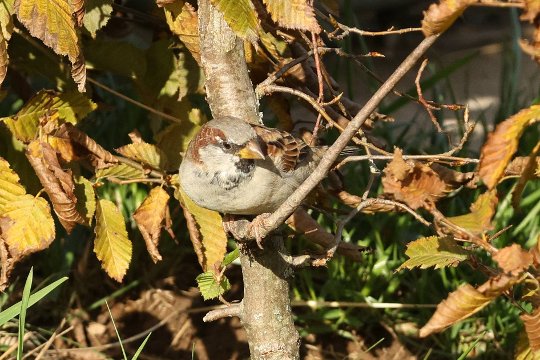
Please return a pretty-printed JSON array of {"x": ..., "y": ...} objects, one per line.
[
  {"x": 532, "y": 327},
  {"x": 213, "y": 240},
  {"x": 58, "y": 183},
  {"x": 112, "y": 246},
  {"x": 150, "y": 217},
  {"x": 209, "y": 286},
  {"x": 98, "y": 13},
  {"x": 10, "y": 188},
  {"x": 293, "y": 14},
  {"x": 464, "y": 302},
  {"x": 6, "y": 28},
  {"x": 502, "y": 143},
  {"x": 120, "y": 172},
  {"x": 146, "y": 153},
  {"x": 513, "y": 259},
  {"x": 183, "y": 21},
  {"x": 433, "y": 251},
  {"x": 439, "y": 17},
  {"x": 26, "y": 225},
  {"x": 52, "y": 22},
  {"x": 479, "y": 219},
  {"x": 523, "y": 350},
  {"x": 47, "y": 104},
  {"x": 241, "y": 17}
]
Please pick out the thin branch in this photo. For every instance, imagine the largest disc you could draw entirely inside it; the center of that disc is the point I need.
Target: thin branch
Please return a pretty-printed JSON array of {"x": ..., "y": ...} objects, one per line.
[
  {"x": 429, "y": 108},
  {"x": 434, "y": 157},
  {"x": 133, "y": 181},
  {"x": 152, "y": 172},
  {"x": 220, "y": 313},
  {"x": 314, "y": 304},
  {"x": 489, "y": 3}
]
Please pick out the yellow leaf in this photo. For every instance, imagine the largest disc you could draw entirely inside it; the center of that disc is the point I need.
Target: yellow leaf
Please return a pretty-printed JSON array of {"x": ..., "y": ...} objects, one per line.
[
  {"x": 150, "y": 217},
  {"x": 26, "y": 225},
  {"x": 433, "y": 251},
  {"x": 146, "y": 153},
  {"x": 98, "y": 13},
  {"x": 52, "y": 22},
  {"x": 120, "y": 172},
  {"x": 240, "y": 16},
  {"x": 112, "y": 246},
  {"x": 502, "y": 143},
  {"x": 10, "y": 188},
  {"x": 293, "y": 14},
  {"x": 6, "y": 28},
  {"x": 213, "y": 240},
  {"x": 439, "y": 17},
  {"x": 183, "y": 21},
  {"x": 69, "y": 107},
  {"x": 479, "y": 219}
]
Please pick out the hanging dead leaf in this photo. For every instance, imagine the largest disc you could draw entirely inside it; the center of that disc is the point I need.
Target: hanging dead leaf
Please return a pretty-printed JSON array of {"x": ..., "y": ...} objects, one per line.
[
  {"x": 293, "y": 14},
  {"x": 531, "y": 10},
  {"x": 479, "y": 219},
  {"x": 439, "y": 17},
  {"x": 464, "y": 302},
  {"x": 518, "y": 165},
  {"x": 112, "y": 245},
  {"x": 502, "y": 143},
  {"x": 183, "y": 21},
  {"x": 532, "y": 327},
  {"x": 10, "y": 188},
  {"x": 150, "y": 217},
  {"x": 513, "y": 259},
  {"x": 433, "y": 251},
  {"x": 523, "y": 349},
  {"x": 411, "y": 182},
  {"x": 78, "y": 11},
  {"x": 209, "y": 226},
  {"x": 26, "y": 225},
  {"x": 58, "y": 183}
]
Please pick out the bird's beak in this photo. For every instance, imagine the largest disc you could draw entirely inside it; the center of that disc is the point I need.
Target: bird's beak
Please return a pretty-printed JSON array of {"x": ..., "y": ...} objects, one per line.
[{"x": 251, "y": 150}]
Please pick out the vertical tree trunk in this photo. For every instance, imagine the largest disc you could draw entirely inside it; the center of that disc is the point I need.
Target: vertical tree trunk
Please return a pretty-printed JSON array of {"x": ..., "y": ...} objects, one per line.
[{"x": 265, "y": 311}]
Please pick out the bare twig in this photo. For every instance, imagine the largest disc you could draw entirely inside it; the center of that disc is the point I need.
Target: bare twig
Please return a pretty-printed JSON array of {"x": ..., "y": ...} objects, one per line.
[
  {"x": 220, "y": 313},
  {"x": 429, "y": 108},
  {"x": 435, "y": 158},
  {"x": 132, "y": 181},
  {"x": 349, "y": 304},
  {"x": 145, "y": 169}
]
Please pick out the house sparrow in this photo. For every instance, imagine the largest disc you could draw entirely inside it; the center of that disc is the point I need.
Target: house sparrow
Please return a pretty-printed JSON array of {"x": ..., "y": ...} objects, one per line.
[{"x": 234, "y": 167}]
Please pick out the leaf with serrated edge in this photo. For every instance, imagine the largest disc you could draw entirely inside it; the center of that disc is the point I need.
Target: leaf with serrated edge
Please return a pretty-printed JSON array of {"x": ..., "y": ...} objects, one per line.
[
  {"x": 439, "y": 17},
  {"x": 86, "y": 199},
  {"x": 112, "y": 246},
  {"x": 209, "y": 287},
  {"x": 214, "y": 239},
  {"x": 52, "y": 22},
  {"x": 479, "y": 219},
  {"x": 513, "y": 259},
  {"x": 241, "y": 16},
  {"x": 183, "y": 21},
  {"x": 6, "y": 29},
  {"x": 464, "y": 302},
  {"x": 10, "y": 188},
  {"x": 293, "y": 14},
  {"x": 502, "y": 143},
  {"x": 150, "y": 217},
  {"x": 69, "y": 107},
  {"x": 433, "y": 251},
  {"x": 532, "y": 327},
  {"x": 98, "y": 13},
  {"x": 523, "y": 350},
  {"x": 146, "y": 153},
  {"x": 120, "y": 172},
  {"x": 26, "y": 225}
]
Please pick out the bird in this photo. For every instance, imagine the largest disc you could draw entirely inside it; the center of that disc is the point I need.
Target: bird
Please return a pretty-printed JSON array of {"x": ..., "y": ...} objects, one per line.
[{"x": 239, "y": 168}]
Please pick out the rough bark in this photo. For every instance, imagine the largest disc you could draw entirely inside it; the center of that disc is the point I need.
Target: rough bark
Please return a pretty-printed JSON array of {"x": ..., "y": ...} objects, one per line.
[{"x": 265, "y": 311}]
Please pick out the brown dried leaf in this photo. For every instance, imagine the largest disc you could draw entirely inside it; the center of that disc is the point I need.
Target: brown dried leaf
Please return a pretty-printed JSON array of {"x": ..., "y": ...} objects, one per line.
[
  {"x": 4, "y": 57},
  {"x": 411, "y": 182},
  {"x": 464, "y": 302},
  {"x": 58, "y": 183},
  {"x": 532, "y": 327},
  {"x": 523, "y": 350},
  {"x": 150, "y": 217},
  {"x": 293, "y": 14},
  {"x": 439, "y": 17},
  {"x": 518, "y": 164},
  {"x": 78, "y": 11},
  {"x": 479, "y": 219},
  {"x": 513, "y": 259},
  {"x": 183, "y": 21},
  {"x": 502, "y": 143}
]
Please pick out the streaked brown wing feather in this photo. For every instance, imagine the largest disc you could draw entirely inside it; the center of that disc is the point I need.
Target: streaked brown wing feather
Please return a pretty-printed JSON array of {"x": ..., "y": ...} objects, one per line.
[{"x": 285, "y": 150}]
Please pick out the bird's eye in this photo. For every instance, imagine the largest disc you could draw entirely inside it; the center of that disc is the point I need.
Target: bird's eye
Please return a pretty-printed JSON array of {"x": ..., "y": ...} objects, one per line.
[{"x": 226, "y": 145}]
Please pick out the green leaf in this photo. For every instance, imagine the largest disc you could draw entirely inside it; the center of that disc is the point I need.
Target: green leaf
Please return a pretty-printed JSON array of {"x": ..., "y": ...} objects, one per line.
[
  {"x": 293, "y": 14},
  {"x": 52, "y": 22},
  {"x": 241, "y": 17},
  {"x": 15, "y": 309},
  {"x": 433, "y": 251},
  {"x": 112, "y": 246},
  {"x": 209, "y": 287},
  {"x": 230, "y": 257},
  {"x": 121, "y": 172},
  {"x": 68, "y": 107},
  {"x": 22, "y": 316},
  {"x": 141, "y": 347},
  {"x": 98, "y": 13}
]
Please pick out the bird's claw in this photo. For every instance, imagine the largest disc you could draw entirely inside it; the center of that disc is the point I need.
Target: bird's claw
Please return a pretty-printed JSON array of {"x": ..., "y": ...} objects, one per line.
[
  {"x": 242, "y": 230},
  {"x": 257, "y": 226}
]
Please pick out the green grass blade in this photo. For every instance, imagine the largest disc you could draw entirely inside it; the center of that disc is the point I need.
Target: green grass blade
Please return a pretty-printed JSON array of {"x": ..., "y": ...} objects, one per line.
[
  {"x": 464, "y": 355},
  {"x": 15, "y": 309},
  {"x": 138, "y": 352},
  {"x": 22, "y": 316},
  {"x": 117, "y": 333}
]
